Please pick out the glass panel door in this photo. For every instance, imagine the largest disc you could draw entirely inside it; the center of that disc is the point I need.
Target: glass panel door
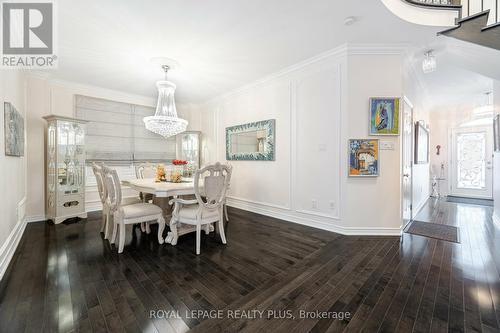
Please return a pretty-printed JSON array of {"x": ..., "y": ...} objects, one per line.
[{"x": 471, "y": 162}]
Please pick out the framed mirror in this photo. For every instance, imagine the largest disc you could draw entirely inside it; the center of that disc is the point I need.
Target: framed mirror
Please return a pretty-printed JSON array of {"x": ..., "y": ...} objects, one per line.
[
  {"x": 421, "y": 143},
  {"x": 251, "y": 142}
]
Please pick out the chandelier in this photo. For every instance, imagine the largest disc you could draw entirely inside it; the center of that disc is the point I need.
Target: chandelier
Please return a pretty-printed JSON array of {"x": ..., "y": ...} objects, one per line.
[
  {"x": 165, "y": 121},
  {"x": 429, "y": 63}
]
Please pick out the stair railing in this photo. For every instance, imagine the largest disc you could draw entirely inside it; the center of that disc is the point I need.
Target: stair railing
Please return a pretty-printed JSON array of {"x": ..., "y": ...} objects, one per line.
[{"x": 466, "y": 8}]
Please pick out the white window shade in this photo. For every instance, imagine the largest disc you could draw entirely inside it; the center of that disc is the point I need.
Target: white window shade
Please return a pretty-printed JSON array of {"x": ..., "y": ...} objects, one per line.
[{"x": 116, "y": 133}]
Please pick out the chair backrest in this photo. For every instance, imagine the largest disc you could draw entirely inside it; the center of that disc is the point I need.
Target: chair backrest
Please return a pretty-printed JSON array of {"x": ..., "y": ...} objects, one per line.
[
  {"x": 145, "y": 170},
  {"x": 113, "y": 188},
  {"x": 215, "y": 179},
  {"x": 97, "y": 168}
]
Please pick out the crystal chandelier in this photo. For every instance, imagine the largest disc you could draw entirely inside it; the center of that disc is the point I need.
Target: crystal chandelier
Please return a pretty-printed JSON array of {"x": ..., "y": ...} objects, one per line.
[
  {"x": 165, "y": 121},
  {"x": 429, "y": 63}
]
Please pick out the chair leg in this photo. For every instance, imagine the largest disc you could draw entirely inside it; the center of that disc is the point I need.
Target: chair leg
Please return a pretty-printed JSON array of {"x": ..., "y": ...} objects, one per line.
[
  {"x": 221, "y": 229},
  {"x": 122, "y": 237},
  {"x": 115, "y": 230},
  {"x": 173, "y": 230},
  {"x": 206, "y": 227},
  {"x": 198, "y": 238},
  {"x": 143, "y": 227},
  {"x": 225, "y": 212},
  {"x": 106, "y": 228},
  {"x": 148, "y": 229},
  {"x": 161, "y": 227},
  {"x": 103, "y": 223}
]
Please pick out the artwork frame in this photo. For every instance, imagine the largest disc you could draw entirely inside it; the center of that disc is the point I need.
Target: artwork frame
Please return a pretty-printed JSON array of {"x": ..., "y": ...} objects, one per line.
[
  {"x": 422, "y": 143},
  {"x": 392, "y": 119},
  {"x": 13, "y": 131},
  {"x": 268, "y": 154},
  {"x": 496, "y": 132},
  {"x": 357, "y": 166}
]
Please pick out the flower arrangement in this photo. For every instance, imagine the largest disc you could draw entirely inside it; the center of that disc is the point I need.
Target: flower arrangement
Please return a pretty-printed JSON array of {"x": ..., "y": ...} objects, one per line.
[
  {"x": 179, "y": 162},
  {"x": 160, "y": 173}
]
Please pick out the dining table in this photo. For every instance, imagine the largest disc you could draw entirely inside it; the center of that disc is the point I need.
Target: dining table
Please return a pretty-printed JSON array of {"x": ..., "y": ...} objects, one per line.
[{"x": 163, "y": 191}]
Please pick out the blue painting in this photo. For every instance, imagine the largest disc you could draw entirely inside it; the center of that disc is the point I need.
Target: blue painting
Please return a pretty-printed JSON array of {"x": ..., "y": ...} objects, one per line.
[{"x": 384, "y": 116}]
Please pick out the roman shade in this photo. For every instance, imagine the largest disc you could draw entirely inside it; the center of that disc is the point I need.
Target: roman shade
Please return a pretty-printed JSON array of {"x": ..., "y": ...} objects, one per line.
[{"x": 116, "y": 132}]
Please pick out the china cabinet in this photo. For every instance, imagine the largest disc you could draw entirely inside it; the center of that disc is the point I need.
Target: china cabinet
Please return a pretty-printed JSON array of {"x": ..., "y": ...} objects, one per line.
[
  {"x": 188, "y": 148},
  {"x": 65, "y": 185}
]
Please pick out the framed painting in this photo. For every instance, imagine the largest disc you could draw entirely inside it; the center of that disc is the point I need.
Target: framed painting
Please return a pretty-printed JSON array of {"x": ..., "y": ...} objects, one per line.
[
  {"x": 13, "y": 131},
  {"x": 421, "y": 143},
  {"x": 496, "y": 132},
  {"x": 384, "y": 115},
  {"x": 364, "y": 158}
]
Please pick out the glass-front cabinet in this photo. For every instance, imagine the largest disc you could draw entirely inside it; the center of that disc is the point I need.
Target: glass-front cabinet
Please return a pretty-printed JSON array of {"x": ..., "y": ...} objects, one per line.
[
  {"x": 65, "y": 194},
  {"x": 188, "y": 148}
]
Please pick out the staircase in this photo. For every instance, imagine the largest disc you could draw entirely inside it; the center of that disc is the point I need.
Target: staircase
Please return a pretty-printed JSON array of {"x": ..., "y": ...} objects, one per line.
[{"x": 476, "y": 21}]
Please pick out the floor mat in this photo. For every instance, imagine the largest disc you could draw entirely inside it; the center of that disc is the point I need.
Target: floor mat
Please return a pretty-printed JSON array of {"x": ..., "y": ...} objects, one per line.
[
  {"x": 434, "y": 230},
  {"x": 470, "y": 201}
]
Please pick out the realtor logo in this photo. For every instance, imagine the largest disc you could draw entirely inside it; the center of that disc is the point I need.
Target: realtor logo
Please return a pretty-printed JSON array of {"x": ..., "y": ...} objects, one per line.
[{"x": 28, "y": 35}]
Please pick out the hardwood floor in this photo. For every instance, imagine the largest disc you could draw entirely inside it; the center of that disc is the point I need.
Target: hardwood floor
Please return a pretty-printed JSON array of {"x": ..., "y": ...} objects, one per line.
[{"x": 66, "y": 278}]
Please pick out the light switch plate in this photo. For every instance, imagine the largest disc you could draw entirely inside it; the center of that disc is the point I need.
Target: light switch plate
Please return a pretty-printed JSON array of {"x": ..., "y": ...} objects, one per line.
[{"x": 386, "y": 145}]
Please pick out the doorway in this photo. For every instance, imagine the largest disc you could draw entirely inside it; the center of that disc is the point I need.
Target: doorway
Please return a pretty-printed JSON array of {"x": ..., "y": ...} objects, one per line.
[
  {"x": 407, "y": 163},
  {"x": 471, "y": 165}
]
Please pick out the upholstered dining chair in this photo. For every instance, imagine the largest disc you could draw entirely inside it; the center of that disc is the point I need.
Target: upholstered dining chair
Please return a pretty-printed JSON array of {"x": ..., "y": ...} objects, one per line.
[
  {"x": 97, "y": 168},
  {"x": 128, "y": 214},
  {"x": 144, "y": 171},
  {"x": 208, "y": 207}
]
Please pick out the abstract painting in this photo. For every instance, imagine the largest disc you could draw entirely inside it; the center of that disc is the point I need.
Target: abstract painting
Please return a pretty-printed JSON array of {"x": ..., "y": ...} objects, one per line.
[
  {"x": 363, "y": 158},
  {"x": 384, "y": 116},
  {"x": 14, "y": 131}
]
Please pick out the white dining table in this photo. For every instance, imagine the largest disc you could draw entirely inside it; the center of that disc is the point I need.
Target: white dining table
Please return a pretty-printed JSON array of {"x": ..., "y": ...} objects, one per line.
[{"x": 166, "y": 190}]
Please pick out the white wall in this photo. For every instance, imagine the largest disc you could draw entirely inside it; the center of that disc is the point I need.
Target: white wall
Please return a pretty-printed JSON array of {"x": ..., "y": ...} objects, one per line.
[
  {"x": 415, "y": 91},
  {"x": 12, "y": 172},
  {"x": 46, "y": 96},
  {"x": 318, "y": 105},
  {"x": 496, "y": 157}
]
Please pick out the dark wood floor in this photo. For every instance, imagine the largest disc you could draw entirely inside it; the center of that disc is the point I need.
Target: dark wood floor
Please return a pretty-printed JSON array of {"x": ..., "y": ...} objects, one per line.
[{"x": 66, "y": 278}]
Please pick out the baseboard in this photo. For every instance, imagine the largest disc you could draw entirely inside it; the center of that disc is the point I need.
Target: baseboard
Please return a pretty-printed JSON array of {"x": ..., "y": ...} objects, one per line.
[
  {"x": 9, "y": 247},
  {"x": 315, "y": 221},
  {"x": 35, "y": 218}
]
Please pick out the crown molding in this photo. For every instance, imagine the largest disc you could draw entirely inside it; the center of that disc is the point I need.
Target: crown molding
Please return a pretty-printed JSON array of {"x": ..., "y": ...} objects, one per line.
[
  {"x": 94, "y": 91},
  {"x": 339, "y": 52}
]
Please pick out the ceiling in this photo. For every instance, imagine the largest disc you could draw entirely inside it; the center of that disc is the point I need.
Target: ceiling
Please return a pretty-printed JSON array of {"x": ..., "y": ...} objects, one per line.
[
  {"x": 220, "y": 44},
  {"x": 458, "y": 81}
]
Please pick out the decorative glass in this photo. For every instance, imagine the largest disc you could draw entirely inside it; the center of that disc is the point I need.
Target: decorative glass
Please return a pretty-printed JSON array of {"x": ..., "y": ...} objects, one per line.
[{"x": 471, "y": 160}]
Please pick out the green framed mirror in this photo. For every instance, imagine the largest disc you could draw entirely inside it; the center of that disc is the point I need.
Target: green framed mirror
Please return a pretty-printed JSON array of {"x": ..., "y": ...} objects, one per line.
[{"x": 251, "y": 142}]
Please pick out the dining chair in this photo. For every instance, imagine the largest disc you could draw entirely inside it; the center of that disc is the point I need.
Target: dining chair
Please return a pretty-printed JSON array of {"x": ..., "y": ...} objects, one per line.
[
  {"x": 228, "y": 189},
  {"x": 97, "y": 168},
  {"x": 129, "y": 214},
  {"x": 145, "y": 171},
  {"x": 198, "y": 212}
]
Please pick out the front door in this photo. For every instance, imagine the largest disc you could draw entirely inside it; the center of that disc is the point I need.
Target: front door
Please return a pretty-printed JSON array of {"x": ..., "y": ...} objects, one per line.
[
  {"x": 407, "y": 162},
  {"x": 471, "y": 168}
]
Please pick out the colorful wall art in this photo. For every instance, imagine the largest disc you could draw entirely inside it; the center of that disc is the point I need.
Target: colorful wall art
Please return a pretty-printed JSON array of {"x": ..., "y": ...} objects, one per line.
[
  {"x": 363, "y": 158},
  {"x": 384, "y": 116}
]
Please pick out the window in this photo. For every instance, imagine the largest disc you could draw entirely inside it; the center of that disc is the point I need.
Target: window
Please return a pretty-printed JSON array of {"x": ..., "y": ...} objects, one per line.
[{"x": 116, "y": 132}]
